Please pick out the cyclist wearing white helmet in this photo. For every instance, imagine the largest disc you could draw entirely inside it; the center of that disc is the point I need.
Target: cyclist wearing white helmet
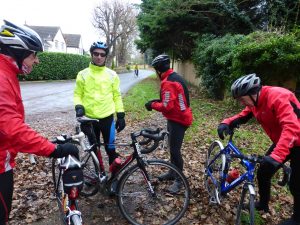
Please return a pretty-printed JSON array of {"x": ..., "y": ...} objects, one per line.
[
  {"x": 278, "y": 111},
  {"x": 18, "y": 48},
  {"x": 97, "y": 95}
]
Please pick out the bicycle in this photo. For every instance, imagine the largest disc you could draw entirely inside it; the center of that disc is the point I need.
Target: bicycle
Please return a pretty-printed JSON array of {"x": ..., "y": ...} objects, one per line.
[
  {"x": 142, "y": 197},
  {"x": 68, "y": 181},
  {"x": 217, "y": 166}
]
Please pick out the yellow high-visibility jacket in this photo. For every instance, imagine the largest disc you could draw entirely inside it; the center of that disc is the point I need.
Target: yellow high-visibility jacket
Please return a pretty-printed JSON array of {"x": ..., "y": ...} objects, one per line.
[{"x": 98, "y": 90}]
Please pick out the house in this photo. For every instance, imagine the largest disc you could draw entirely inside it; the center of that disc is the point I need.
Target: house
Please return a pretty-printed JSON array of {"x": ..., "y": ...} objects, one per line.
[
  {"x": 74, "y": 43},
  {"x": 55, "y": 41},
  {"x": 52, "y": 37}
]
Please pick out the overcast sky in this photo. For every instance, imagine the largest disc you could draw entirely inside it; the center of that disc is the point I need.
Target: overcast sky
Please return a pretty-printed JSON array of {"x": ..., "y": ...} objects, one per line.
[{"x": 72, "y": 16}]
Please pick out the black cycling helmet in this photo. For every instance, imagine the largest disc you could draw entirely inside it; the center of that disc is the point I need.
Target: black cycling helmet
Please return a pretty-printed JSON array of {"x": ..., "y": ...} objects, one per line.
[
  {"x": 19, "y": 42},
  {"x": 99, "y": 45},
  {"x": 246, "y": 85},
  {"x": 161, "y": 63}
]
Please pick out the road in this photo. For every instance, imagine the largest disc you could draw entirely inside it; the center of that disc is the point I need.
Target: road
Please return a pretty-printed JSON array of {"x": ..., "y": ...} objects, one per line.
[{"x": 39, "y": 97}]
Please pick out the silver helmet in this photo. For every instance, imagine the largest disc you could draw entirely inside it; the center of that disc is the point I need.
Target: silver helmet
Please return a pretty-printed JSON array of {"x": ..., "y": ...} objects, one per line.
[
  {"x": 246, "y": 85},
  {"x": 20, "y": 38}
]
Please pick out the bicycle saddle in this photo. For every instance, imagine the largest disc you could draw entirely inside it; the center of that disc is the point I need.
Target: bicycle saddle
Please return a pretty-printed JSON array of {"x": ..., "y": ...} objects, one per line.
[{"x": 85, "y": 119}]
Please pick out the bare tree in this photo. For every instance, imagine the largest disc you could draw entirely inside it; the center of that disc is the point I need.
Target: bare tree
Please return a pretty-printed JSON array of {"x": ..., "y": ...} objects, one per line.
[{"x": 116, "y": 22}]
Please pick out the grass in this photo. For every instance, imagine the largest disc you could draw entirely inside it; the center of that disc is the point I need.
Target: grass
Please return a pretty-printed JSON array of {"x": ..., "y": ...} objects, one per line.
[{"x": 136, "y": 98}]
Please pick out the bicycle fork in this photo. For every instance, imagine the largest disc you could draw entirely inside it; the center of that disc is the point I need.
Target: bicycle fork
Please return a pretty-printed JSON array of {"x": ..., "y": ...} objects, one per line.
[{"x": 146, "y": 178}]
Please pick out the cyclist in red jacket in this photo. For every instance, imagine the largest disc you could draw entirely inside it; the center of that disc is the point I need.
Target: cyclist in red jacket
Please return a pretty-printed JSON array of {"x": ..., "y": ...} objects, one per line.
[
  {"x": 18, "y": 49},
  {"x": 278, "y": 111},
  {"x": 174, "y": 104}
]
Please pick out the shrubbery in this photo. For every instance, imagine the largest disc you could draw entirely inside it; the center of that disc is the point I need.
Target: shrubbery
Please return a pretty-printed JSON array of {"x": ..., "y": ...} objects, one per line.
[
  {"x": 272, "y": 56},
  {"x": 57, "y": 66},
  {"x": 213, "y": 59}
]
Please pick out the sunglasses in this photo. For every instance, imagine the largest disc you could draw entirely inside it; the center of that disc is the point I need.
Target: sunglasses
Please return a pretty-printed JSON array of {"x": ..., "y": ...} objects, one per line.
[{"x": 96, "y": 54}]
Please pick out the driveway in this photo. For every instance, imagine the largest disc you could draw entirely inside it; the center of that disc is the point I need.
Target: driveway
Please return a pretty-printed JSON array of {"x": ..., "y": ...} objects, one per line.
[{"x": 54, "y": 96}]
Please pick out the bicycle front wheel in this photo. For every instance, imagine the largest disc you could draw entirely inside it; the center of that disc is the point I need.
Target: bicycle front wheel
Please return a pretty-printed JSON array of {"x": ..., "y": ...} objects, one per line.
[
  {"x": 214, "y": 167},
  {"x": 246, "y": 208},
  {"x": 140, "y": 205}
]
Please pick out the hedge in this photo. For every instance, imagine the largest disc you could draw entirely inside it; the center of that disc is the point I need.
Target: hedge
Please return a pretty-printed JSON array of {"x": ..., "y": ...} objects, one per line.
[
  {"x": 274, "y": 57},
  {"x": 57, "y": 66}
]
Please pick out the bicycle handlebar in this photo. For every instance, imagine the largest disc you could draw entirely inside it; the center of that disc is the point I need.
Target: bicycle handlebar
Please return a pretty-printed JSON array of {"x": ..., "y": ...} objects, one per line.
[
  {"x": 258, "y": 159},
  {"x": 152, "y": 135}
]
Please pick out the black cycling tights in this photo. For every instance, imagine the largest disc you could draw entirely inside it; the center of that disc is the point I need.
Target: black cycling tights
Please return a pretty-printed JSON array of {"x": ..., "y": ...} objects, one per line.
[
  {"x": 106, "y": 127},
  {"x": 176, "y": 135},
  {"x": 6, "y": 191},
  {"x": 265, "y": 173}
]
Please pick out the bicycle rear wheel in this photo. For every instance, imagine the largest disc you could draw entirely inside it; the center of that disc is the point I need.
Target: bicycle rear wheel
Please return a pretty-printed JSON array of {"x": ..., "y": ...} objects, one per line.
[
  {"x": 76, "y": 220},
  {"x": 214, "y": 167},
  {"x": 246, "y": 208},
  {"x": 90, "y": 175},
  {"x": 139, "y": 206}
]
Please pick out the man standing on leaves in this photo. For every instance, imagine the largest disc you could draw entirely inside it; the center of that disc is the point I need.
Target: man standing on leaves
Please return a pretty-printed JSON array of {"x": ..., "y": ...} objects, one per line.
[
  {"x": 97, "y": 95},
  {"x": 174, "y": 103}
]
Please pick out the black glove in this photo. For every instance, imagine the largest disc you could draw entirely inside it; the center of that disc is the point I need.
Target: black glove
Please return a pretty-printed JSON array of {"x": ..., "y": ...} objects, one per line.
[
  {"x": 223, "y": 128},
  {"x": 268, "y": 161},
  {"x": 79, "y": 110},
  {"x": 148, "y": 106},
  {"x": 120, "y": 123},
  {"x": 64, "y": 150}
]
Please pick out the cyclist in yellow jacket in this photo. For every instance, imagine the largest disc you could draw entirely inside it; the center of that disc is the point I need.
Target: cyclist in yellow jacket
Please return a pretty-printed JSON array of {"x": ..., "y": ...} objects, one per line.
[{"x": 97, "y": 95}]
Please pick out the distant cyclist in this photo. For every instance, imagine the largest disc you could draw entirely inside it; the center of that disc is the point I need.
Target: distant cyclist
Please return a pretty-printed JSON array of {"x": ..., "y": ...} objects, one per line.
[
  {"x": 174, "y": 104},
  {"x": 278, "y": 111},
  {"x": 18, "y": 54},
  {"x": 136, "y": 70},
  {"x": 97, "y": 95}
]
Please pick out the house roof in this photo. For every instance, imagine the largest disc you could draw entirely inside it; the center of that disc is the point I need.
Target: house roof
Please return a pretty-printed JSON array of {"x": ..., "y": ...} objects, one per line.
[
  {"x": 72, "y": 40},
  {"x": 46, "y": 33}
]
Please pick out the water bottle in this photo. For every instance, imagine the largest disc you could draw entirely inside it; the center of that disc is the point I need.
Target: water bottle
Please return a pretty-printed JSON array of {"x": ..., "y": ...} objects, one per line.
[
  {"x": 232, "y": 175},
  {"x": 115, "y": 166}
]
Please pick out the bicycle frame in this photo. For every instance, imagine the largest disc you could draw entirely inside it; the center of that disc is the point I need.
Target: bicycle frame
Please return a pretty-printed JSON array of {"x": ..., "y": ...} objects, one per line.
[
  {"x": 135, "y": 156},
  {"x": 231, "y": 149}
]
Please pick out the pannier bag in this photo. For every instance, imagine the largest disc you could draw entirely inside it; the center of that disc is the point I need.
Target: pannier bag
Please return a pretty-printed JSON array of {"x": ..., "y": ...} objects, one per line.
[{"x": 72, "y": 178}]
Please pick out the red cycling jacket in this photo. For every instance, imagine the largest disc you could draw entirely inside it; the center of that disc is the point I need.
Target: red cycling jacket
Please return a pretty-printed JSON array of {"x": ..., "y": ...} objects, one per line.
[
  {"x": 15, "y": 135},
  {"x": 174, "y": 96},
  {"x": 278, "y": 112}
]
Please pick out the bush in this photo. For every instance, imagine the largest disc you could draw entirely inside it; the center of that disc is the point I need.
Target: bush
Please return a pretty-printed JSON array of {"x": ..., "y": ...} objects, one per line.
[
  {"x": 58, "y": 66},
  {"x": 212, "y": 59},
  {"x": 274, "y": 57}
]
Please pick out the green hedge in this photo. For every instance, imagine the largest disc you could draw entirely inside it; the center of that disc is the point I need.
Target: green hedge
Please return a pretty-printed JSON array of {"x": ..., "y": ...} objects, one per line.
[
  {"x": 213, "y": 59},
  {"x": 57, "y": 66},
  {"x": 274, "y": 57}
]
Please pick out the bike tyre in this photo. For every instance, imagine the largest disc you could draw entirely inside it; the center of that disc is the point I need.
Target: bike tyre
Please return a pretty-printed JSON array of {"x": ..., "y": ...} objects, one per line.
[
  {"x": 249, "y": 206},
  {"x": 59, "y": 192},
  {"x": 215, "y": 164},
  {"x": 139, "y": 207},
  {"x": 76, "y": 220}
]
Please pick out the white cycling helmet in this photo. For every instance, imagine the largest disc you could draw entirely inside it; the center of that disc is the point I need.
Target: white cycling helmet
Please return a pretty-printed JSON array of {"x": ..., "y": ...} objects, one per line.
[{"x": 246, "y": 85}]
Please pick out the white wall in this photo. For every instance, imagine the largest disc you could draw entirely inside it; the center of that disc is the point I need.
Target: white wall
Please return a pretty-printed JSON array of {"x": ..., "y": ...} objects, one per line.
[{"x": 58, "y": 44}]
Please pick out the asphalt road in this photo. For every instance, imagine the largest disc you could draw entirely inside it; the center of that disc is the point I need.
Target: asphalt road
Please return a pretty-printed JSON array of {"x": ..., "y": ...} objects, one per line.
[{"x": 39, "y": 97}]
